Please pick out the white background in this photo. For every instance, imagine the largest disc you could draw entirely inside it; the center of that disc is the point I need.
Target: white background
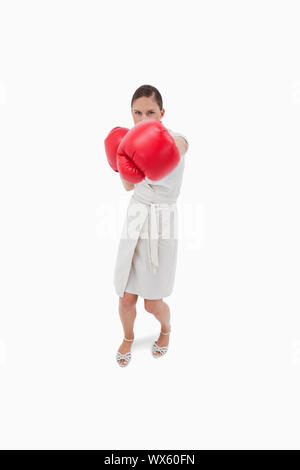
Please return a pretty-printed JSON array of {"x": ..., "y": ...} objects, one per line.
[{"x": 229, "y": 75}]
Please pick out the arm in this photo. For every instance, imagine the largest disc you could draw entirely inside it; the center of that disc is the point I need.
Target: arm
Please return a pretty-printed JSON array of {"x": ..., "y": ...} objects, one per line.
[
  {"x": 181, "y": 144},
  {"x": 128, "y": 186}
]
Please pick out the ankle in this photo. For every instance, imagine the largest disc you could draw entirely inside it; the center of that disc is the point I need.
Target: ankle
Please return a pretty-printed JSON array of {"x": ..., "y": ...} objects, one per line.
[
  {"x": 165, "y": 328},
  {"x": 128, "y": 337}
]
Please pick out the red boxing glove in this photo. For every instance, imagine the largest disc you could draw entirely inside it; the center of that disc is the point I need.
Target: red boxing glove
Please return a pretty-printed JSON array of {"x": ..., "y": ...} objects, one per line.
[
  {"x": 111, "y": 144},
  {"x": 147, "y": 150}
]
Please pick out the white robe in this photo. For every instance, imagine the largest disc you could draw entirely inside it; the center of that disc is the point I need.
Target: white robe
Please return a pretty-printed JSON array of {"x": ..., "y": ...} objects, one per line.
[{"x": 147, "y": 253}]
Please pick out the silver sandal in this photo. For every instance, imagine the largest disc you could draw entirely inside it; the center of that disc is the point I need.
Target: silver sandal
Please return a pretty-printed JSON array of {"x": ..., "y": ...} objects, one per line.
[
  {"x": 126, "y": 356},
  {"x": 161, "y": 349}
]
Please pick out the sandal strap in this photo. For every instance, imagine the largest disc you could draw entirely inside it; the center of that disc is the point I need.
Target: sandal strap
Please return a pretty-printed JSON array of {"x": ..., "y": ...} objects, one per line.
[
  {"x": 123, "y": 356},
  {"x": 125, "y": 339},
  {"x": 165, "y": 333},
  {"x": 160, "y": 349}
]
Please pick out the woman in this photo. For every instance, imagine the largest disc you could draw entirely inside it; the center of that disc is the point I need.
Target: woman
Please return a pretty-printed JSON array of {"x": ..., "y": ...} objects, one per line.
[{"x": 146, "y": 266}]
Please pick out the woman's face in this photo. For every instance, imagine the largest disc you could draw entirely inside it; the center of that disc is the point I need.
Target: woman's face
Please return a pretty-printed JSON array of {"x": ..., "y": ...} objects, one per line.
[{"x": 146, "y": 108}]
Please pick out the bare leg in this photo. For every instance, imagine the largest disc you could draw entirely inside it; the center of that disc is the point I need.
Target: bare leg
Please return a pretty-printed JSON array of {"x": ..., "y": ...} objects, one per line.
[
  {"x": 127, "y": 311},
  {"x": 161, "y": 311}
]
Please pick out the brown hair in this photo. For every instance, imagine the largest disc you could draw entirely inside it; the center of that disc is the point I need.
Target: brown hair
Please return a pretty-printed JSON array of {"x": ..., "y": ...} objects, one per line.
[{"x": 149, "y": 91}]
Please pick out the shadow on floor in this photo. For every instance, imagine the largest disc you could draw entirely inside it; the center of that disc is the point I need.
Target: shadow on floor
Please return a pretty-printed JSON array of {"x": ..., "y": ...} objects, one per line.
[{"x": 143, "y": 342}]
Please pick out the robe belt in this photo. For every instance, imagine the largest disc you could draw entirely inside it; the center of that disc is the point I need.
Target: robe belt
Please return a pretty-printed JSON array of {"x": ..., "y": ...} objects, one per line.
[{"x": 153, "y": 234}]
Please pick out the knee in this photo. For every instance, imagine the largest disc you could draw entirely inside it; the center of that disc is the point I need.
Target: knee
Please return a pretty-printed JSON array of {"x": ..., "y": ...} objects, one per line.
[
  {"x": 128, "y": 301},
  {"x": 150, "y": 306}
]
